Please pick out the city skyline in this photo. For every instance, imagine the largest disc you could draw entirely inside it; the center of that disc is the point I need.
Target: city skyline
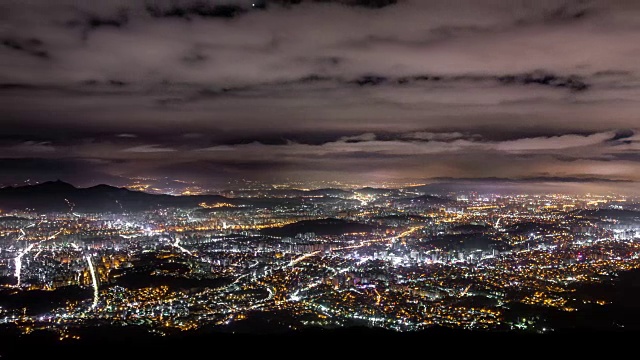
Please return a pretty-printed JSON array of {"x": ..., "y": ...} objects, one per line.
[
  {"x": 74, "y": 260},
  {"x": 175, "y": 174},
  {"x": 359, "y": 92}
]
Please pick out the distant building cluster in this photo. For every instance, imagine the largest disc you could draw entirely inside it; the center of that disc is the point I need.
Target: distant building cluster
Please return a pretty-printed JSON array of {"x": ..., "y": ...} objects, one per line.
[{"x": 389, "y": 258}]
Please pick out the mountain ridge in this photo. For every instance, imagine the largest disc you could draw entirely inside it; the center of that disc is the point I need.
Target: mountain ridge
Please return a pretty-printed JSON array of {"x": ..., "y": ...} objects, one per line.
[{"x": 59, "y": 196}]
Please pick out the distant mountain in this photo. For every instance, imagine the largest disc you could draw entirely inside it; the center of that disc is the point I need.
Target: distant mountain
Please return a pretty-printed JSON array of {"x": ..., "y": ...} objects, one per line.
[
  {"x": 469, "y": 229},
  {"x": 619, "y": 214},
  {"x": 330, "y": 192},
  {"x": 370, "y": 191},
  {"x": 329, "y": 226},
  {"x": 465, "y": 242},
  {"x": 528, "y": 227},
  {"x": 424, "y": 201},
  {"x": 59, "y": 196},
  {"x": 294, "y": 193}
]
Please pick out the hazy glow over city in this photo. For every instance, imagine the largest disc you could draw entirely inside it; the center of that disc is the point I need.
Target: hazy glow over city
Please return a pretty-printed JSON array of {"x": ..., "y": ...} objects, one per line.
[{"x": 195, "y": 169}]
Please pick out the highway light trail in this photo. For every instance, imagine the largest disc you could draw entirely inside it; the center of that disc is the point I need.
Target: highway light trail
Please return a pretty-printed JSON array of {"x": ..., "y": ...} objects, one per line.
[
  {"x": 271, "y": 293},
  {"x": 305, "y": 256},
  {"x": 177, "y": 244},
  {"x": 405, "y": 233},
  {"x": 238, "y": 279},
  {"x": 18, "y": 259},
  {"x": 262, "y": 302},
  {"x": 93, "y": 280},
  {"x": 391, "y": 239},
  {"x": 296, "y": 297}
]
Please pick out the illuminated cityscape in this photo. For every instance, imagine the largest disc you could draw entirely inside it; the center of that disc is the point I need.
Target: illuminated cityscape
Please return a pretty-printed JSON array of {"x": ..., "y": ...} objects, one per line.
[
  {"x": 399, "y": 259},
  {"x": 180, "y": 175}
]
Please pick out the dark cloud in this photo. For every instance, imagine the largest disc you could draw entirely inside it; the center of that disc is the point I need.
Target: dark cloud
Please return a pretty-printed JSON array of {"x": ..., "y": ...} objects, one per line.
[
  {"x": 31, "y": 46},
  {"x": 195, "y": 9},
  {"x": 569, "y": 11},
  {"x": 569, "y": 82},
  {"x": 369, "y": 80},
  {"x": 117, "y": 83},
  {"x": 344, "y": 89},
  {"x": 316, "y": 83},
  {"x": 623, "y": 134},
  {"x": 370, "y": 4},
  {"x": 93, "y": 21},
  {"x": 13, "y": 86}
]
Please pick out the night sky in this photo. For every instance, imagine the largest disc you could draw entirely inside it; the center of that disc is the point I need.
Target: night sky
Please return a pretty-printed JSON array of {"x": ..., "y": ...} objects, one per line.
[{"x": 351, "y": 90}]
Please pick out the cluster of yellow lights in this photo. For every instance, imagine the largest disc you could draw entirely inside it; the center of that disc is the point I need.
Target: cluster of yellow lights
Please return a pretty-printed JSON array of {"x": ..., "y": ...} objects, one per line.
[
  {"x": 216, "y": 205},
  {"x": 138, "y": 187}
]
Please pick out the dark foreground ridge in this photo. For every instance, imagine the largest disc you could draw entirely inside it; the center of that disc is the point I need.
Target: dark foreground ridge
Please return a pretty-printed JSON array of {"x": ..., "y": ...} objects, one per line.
[{"x": 115, "y": 342}]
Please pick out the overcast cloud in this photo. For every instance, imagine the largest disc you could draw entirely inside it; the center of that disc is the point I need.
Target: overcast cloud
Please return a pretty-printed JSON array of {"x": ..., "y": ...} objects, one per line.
[{"x": 378, "y": 90}]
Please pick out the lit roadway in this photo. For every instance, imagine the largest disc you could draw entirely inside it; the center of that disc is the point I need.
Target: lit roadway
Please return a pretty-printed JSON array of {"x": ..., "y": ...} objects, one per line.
[
  {"x": 391, "y": 239},
  {"x": 294, "y": 297},
  {"x": 212, "y": 296},
  {"x": 18, "y": 259}
]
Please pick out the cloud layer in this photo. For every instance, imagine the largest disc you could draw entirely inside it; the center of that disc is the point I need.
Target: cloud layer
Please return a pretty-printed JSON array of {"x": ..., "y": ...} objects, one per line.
[{"x": 384, "y": 90}]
